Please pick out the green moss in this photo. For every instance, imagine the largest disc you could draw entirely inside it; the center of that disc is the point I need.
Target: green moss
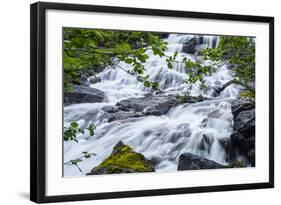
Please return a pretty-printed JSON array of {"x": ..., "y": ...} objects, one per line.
[
  {"x": 123, "y": 160},
  {"x": 236, "y": 164}
]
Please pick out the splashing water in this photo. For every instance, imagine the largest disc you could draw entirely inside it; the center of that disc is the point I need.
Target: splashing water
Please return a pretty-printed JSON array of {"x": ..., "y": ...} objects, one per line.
[{"x": 195, "y": 128}]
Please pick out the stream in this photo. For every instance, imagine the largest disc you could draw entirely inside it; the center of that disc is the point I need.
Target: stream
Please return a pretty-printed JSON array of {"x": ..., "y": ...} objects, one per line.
[{"x": 191, "y": 127}]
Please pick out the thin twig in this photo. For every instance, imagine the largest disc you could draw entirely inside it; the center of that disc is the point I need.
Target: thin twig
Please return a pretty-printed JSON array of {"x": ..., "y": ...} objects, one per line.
[
  {"x": 79, "y": 168},
  {"x": 87, "y": 51},
  {"x": 124, "y": 70}
]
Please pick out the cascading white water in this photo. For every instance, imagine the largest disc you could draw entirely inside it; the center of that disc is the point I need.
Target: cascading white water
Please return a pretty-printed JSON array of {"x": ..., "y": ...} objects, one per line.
[
  {"x": 210, "y": 41},
  {"x": 195, "y": 128}
]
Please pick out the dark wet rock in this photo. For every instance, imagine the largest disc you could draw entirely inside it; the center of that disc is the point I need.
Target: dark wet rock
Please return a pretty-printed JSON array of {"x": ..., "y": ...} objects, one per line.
[
  {"x": 188, "y": 161},
  {"x": 83, "y": 76},
  {"x": 149, "y": 105},
  {"x": 94, "y": 79},
  {"x": 196, "y": 44},
  {"x": 124, "y": 115},
  {"x": 243, "y": 136},
  {"x": 96, "y": 69},
  {"x": 147, "y": 133},
  {"x": 241, "y": 105},
  {"x": 117, "y": 148},
  {"x": 110, "y": 109},
  {"x": 204, "y": 122},
  {"x": 83, "y": 94},
  {"x": 252, "y": 157},
  {"x": 123, "y": 160},
  {"x": 84, "y": 83},
  {"x": 155, "y": 160},
  {"x": 163, "y": 35},
  {"x": 229, "y": 149},
  {"x": 242, "y": 118},
  {"x": 112, "y": 113},
  {"x": 190, "y": 46}
]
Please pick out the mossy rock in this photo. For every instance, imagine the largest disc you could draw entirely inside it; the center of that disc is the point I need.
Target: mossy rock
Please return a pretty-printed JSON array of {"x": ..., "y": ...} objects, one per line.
[{"x": 123, "y": 160}]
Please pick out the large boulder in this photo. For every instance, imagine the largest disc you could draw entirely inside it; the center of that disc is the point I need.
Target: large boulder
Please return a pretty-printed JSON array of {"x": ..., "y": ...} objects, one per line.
[
  {"x": 190, "y": 46},
  {"x": 188, "y": 161},
  {"x": 83, "y": 94},
  {"x": 149, "y": 105},
  {"x": 243, "y": 136},
  {"x": 241, "y": 105},
  {"x": 123, "y": 160},
  {"x": 112, "y": 113},
  {"x": 244, "y": 140},
  {"x": 243, "y": 117}
]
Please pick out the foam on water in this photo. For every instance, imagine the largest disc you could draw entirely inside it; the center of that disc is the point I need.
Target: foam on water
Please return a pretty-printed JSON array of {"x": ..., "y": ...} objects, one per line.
[{"x": 195, "y": 128}]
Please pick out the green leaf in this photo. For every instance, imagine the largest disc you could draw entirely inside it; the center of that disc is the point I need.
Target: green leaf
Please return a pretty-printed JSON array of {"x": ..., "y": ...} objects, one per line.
[
  {"x": 189, "y": 64},
  {"x": 75, "y": 161},
  {"x": 175, "y": 55},
  {"x": 129, "y": 60},
  {"x": 99, "y": 35},
  {"x": 155, "y": 85},
  {"x": 170, "y": 65},
  {"x": 157, "y": 51},
  {"x": 147, "y": 84},
  {"x": 143, "y": 58},
  {"x": 123, "y": 48},
  {"x": 91, "y": 129},
  {"x": 74, "y": 124},
  {"x": 87, "y": 155},
  {"x": 91, "y": 132},
  {"x": 139, "y": 51},
  {"x": 140, "y": 78}
]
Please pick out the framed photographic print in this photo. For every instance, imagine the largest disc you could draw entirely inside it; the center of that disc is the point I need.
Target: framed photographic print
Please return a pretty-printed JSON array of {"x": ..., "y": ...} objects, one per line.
[{"x": 129, "y": 102}]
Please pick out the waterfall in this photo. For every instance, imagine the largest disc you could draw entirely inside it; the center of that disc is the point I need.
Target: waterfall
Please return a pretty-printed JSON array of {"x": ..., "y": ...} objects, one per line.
[
  {"x": 210, "y": 41},
  {"x": 195, "y": 128}
]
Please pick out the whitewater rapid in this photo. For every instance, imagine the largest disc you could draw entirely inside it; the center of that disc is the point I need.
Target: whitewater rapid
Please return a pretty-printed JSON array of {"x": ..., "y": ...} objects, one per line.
[{"x": 195, "y": 128}]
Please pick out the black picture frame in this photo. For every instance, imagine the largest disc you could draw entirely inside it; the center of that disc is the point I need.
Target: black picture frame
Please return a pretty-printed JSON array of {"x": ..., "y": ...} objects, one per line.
[{"x": 38, "y": 101}]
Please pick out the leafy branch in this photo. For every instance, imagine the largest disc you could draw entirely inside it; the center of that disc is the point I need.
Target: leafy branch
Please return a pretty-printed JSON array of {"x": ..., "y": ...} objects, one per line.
[
  {"x": 71, "y": 132},
  {"x": 239, "y": 53},
  {"x": 75, "y": 162},
  {"x": 93, "y": 48}
]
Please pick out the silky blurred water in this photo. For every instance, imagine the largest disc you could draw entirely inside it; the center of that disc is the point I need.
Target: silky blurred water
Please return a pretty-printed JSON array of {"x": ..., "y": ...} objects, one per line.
[{"x": 194, "y": 128}]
